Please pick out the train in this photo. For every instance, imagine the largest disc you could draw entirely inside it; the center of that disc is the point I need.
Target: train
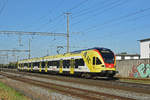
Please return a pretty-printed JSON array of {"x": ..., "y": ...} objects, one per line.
[{"x": 93, "y": 62}]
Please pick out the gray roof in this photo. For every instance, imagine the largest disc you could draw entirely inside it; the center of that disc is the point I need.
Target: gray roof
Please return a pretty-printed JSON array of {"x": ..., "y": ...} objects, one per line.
[{"x": 143, "y": 40}]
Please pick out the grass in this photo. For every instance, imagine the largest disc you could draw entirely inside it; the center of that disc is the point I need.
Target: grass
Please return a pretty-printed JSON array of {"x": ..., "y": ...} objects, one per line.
[
  {"x": 7, "y": 93},
  {"x": 137, "y": 81}
]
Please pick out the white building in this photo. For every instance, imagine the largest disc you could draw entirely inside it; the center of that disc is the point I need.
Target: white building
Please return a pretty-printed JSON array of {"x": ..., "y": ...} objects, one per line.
[
  {"x": 145, "y": 48},
  {"x": 127, "y": 56}
]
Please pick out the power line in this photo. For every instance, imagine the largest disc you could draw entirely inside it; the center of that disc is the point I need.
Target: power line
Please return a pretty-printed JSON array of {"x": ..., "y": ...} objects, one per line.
[
  {"x": 89, "y": 8},
  {"x": 119, "y": 18},
  {"x": 50, "y": 21},
  {"x": 78, "y": 5},
  {"x": 133, "y": 19},
  {"x": 103, "y": 10},
  {"x": 58, "y": 17},
  {"x": 57, "y": 21},
  {"x": 95, "y": 9},
  {"x": 3, "y": 6},
  {"x": 74, "y": 7}
]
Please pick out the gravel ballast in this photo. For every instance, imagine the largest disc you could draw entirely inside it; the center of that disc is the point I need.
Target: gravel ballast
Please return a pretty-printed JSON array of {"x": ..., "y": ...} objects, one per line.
[{"x": 44, "y": 93}]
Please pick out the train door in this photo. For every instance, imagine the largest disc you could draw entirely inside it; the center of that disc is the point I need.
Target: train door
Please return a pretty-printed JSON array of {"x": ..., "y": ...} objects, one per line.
[
  {"x": 18, "y": 65},
  {"x": 46, "y": 67},
  {"x": 72, "y": 64},
  {"x": 31, "y": 66},
  {"x": 28, "y": 67},
  {"x": 40, "y": 67},
  {"x": 61, "y": 66},
  {"x": 96, "y": 62}
]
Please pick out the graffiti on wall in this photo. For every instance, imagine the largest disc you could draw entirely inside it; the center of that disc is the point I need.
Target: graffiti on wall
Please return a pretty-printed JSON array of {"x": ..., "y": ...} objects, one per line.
[{"x": 140, "y": 71}]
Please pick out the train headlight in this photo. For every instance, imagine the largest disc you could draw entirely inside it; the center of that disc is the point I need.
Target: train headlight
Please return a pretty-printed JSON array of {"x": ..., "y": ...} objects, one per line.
[{"x": 103, "y": 65}]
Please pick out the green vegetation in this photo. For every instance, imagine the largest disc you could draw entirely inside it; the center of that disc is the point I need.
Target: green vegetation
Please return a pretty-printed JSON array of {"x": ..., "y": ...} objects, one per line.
[
  {"x": 7, "y": 93},
  {"x": 136, "y": 81}
]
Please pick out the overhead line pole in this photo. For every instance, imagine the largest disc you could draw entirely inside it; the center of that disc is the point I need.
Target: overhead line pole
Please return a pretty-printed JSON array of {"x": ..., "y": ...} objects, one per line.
[
  {"x": 29, "y": 49},
  {"x": 67, "y": 31}
]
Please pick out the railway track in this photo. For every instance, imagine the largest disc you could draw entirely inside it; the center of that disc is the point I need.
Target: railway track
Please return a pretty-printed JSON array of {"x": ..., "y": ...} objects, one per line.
[
  {"x": 111, "y": 84},
  {"x": 77, "y": 92}
]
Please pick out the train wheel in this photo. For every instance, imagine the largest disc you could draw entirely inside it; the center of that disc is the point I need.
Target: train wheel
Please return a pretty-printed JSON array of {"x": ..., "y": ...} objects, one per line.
[{"x": 86, "y": 75}]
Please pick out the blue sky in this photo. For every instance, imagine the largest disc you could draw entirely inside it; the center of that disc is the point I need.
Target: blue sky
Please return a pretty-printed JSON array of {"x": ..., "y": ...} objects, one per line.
[{"x": 114, "y": 24}]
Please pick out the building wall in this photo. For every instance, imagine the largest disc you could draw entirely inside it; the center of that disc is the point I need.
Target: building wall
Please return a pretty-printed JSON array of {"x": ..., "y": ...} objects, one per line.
[
  {"x": 145, "y": 49},
  {"x": 138, "y": 68}
]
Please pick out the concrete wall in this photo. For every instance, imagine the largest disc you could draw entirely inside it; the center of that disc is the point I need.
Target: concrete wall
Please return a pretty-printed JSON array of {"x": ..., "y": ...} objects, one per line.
[{"x": 138, "y": 68}]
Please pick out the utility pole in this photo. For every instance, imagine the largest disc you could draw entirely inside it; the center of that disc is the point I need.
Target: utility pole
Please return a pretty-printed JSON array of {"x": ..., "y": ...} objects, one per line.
[
  {"x": 67, "y": 31},
  {"x": 47, "y": 52},
  {"x": 29, "y": 49}
]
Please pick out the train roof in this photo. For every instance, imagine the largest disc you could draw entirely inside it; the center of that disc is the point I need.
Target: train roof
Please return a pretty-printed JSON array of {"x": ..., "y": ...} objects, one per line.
[
  {"x": 60, "y": 55},
  {"x": 98, "y": 48}
]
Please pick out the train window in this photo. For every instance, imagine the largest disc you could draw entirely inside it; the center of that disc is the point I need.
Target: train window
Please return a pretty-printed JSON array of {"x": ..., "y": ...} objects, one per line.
[
  {"x": 66, "y": 63},
  {"x": 43, "y": 64},
  {"x": 93, "y": 60},
  {"x": 36, "y": 64},
  {"x": 29, "y": 65},
  {"x": 56, "y": 63},
  {"x": 98, "y": 62},
  {"x": 107, "y": 55},
  {"x": 53, "y": 63},
  {"x": 25, "y": 64},
  {"x": 79, "y": 62},
  {"x": 20, "y": 65},
  {"x": 76, "y": 66},
  {"x": 49, "y": 63}
]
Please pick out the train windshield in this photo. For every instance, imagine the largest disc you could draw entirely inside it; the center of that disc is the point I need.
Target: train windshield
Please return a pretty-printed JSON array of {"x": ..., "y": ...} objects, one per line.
[{"x": 107, "y": 55}]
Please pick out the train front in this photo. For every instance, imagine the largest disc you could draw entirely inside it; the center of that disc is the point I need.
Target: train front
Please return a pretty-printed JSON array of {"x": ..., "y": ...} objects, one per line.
[{"x": 108, "y": 59}]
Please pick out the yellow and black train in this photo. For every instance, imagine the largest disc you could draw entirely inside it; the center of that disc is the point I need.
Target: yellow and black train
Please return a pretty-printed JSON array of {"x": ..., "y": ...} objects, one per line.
[{"x": 86, "y": 63}]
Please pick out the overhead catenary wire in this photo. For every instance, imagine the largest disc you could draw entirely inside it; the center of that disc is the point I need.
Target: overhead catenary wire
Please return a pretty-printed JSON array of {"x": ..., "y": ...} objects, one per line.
[
  {"x": 117, "y": 19},
  {"x": 102, "y": 10},
  {"x": 3, "y": 6},
  {"x": 70, "y": 9},
  {"x": 80, "y": 11},
  {"x": 57, "y": 17},
  {"x": 78, "y": 5},
  {"x": 51, "y": 20},
  {"x": 90, "y": 10},
  {"x": 57, "y": 22},
  {"x": 131, "y": 20}
]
